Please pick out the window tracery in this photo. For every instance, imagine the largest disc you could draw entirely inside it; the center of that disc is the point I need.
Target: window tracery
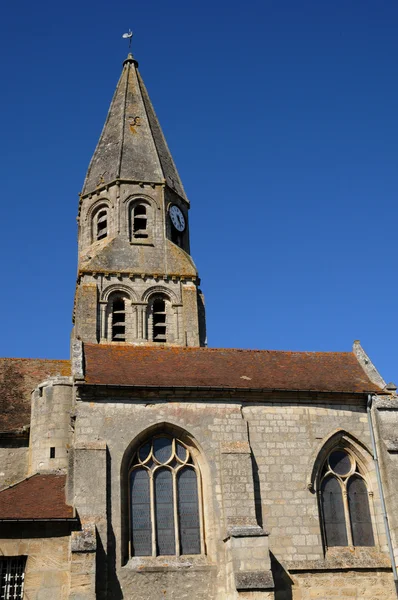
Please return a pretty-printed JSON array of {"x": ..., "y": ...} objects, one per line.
[
  {"x": 344, "y": 501},
  {"x": 165, "y": 506}
]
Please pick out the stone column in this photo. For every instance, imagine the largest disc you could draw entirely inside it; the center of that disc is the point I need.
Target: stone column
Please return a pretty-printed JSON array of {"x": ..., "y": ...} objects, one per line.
[{"x": 103, "y": 306}]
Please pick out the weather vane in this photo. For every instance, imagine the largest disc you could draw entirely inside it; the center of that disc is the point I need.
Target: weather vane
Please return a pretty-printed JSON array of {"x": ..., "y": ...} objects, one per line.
[{"x": 128, "y": 36}]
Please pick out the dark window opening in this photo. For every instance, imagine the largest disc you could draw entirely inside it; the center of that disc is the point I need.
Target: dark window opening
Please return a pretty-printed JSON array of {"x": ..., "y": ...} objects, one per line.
[
  {"x": 140, "y": 222},
  {"x": 118, "y": 320},
  {"x": 102, "y": 224},
  {"x": 176, "y": 237},
  {"x": 361, "y": 523},
  {"x": 333, "y": 513},
  {"x": 52, "y": 452},
  {"x": 12, "y": 575},
  {"x": 159, "y": 320}
]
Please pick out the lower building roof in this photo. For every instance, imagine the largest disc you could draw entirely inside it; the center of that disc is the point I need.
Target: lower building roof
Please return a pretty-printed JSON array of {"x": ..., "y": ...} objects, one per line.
[
  {"x": 18, "y": 377},
  {"x": 40, "y": 497}
]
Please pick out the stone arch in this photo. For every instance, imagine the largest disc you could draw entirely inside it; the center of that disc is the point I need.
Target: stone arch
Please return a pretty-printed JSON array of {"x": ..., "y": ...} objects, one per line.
[
  {"x": 140, "y": 217},
  {"x": 106, "y": 202},
  {"x": 118, "y": 287},
  {"x": 342, "y": 439},
  {"x": 134, "y": 197},
  {"x": 200, "y": 460},
  {"x": 160, "y": 289}
]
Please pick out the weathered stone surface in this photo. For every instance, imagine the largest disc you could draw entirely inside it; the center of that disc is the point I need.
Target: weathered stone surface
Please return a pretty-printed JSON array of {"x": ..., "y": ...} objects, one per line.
[{"x": 254, "y": 580}]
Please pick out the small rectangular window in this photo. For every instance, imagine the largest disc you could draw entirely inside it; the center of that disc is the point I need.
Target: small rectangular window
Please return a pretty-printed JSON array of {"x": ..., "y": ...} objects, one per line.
[
  {"x": 52, "y": 452},
  {"x": 12, "y": 575}
]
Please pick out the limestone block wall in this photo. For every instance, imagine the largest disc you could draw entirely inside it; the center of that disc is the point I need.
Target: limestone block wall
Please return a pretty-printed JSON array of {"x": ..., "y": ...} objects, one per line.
[
  {"x": 93, "y": 310},
  {"x": 51, "y": 428},
  {"x": 336, "y": 585},
  {"x": 47, "y": 547},
  {"x": 283, "y": 437}
]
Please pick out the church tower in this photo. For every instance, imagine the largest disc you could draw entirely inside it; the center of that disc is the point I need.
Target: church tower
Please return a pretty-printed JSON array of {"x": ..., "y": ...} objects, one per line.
[{"x": 137, "y": 283}]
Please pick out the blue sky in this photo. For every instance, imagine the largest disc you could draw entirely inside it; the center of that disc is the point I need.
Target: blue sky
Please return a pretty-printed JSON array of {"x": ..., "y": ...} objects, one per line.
[{"x": 281, "y": 117}]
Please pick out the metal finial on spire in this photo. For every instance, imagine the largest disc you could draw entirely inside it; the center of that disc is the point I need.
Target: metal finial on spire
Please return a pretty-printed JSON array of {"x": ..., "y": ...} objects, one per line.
[{"x": 128, "y": 36}]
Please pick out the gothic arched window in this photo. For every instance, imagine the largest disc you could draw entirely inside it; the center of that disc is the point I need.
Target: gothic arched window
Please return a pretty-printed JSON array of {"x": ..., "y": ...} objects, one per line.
[
  {"x": 165, "y": 504},
  {"x": 100, "y": 224},
  {"x": 344, "y": 502}
]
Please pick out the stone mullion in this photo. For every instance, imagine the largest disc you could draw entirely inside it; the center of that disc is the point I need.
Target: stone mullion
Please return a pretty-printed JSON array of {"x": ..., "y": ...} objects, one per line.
[
  {"x": 347, "y": 515},
  {"x": 176, "y": 528},
  {"x": 153, "y": 515}
]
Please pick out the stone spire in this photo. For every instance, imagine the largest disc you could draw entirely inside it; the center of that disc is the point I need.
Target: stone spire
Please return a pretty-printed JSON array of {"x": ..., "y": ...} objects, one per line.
[
  {"x": 137, "y": 282},
  {"x": 132, "y": 146}
]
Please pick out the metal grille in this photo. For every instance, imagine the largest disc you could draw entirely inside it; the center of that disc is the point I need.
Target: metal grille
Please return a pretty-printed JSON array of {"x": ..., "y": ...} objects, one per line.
[
  {"x": 164, "y": 508},
  {"x": 358, "y": 501},
  {"x": 188, "y": 511},
  {"x": 333, "y": 512},
  {"x": 141, "y": 513},
  {"x": 12, "y": 574}
]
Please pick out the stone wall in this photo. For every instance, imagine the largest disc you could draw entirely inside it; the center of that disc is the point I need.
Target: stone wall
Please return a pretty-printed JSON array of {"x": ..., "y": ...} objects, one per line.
[
  {"x": 51, "y": 425},
  {"x": 335, "y": 585},
  {"x": 47, "y": 547},
  {"x": 285, "y": 436}
]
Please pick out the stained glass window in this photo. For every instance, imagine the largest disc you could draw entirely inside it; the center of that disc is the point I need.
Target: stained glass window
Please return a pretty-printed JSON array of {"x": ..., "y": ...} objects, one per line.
[
  {"x": 361, "y": 524},
  {"x": 333, "y": 513},
  {"x": 165, "y": 499},
  {"x": 344, "y": 500}
]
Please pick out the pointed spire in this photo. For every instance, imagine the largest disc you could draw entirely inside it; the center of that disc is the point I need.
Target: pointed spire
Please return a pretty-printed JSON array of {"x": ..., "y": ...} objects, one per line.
[{"x": 132, "y": 145}]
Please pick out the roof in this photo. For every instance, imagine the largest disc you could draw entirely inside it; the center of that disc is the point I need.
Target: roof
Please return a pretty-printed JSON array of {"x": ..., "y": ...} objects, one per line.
[
  {"x": 225, "y": 368},
  {"x": 38, "y": 497},
  {"x": 18, "y": 377},
  {"x": 132, "y": 145}
]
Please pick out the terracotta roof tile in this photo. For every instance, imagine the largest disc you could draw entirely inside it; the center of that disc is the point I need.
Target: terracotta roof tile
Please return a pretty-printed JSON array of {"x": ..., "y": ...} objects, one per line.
[
  {"x": 38, "y": 497},
  {"x": 18, "y": 377},
  {"x": 225, "y": 368}
]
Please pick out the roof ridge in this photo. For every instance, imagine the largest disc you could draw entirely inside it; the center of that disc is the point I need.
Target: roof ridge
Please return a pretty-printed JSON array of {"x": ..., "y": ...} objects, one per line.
[{"x": 207, "y": 349}]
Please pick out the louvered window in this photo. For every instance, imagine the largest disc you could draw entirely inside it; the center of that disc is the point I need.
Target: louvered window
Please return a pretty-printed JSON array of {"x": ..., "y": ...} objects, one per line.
[
  {"x": 344, "y": 500},
  {"x": 159, "y": 320},
  {"x": 102, "y": 224},
  {"x": 119, "y": 320},
  {"x": 12, "y": 574},
  {"x": 165, "y": 500},
  {"x": 140, "y": 221}
]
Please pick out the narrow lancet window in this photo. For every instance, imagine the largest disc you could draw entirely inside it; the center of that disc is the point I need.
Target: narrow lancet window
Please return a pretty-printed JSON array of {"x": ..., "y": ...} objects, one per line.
[
  {"x": 361, "y": 524},
  {"x": 141, "y": 526}
]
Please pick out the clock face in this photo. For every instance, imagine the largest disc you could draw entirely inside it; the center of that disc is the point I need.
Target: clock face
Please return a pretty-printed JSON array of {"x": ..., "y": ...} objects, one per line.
[{"x": 177, "y": 218}]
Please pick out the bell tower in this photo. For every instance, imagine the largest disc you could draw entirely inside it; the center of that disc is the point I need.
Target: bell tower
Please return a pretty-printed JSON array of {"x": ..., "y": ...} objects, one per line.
[{"x": 137, "y": 282}]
